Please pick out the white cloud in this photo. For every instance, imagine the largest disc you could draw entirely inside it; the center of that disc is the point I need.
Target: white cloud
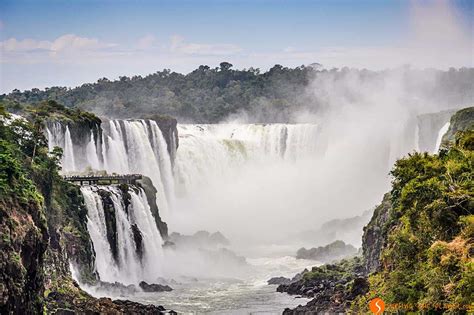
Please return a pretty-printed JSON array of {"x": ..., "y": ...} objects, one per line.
[
  {"x": 436, "y": 38},
  {"x": 14, "y": 45},
  {"x": 67, "y": 44},
  {"x": 179, "y": 45},
  {"x": 73, "y": 43},
  {"x": 146, "y": 42}
]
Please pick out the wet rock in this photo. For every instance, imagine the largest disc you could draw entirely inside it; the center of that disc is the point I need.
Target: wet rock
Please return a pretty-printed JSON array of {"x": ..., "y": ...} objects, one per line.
[
  {"x": 331, "y": 286},
  {"x": 154, "y": 287},
  {"x": 279, "y": 280},
  {"x": 150, "y": 193},
  {"x": 138, "y": 238},
  {"x": 331, "y": 252},
  {"x": 110, "y": 221}
]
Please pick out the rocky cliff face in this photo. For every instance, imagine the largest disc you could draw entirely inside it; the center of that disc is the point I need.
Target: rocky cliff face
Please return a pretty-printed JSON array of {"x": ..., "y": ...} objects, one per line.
[
  {"x": 374, "y": 237},
  {"x": 23, "y": 242},
  {"x": 417, "y": 247},
  {"x": 462, "y": 120},
  {"x": 332, "y": 286},
  {"x": 150, "y": 192},
  {"x": 43, "y": 229}
]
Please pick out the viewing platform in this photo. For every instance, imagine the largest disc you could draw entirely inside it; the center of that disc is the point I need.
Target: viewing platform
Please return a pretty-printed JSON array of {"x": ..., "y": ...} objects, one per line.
[{"x": 104, "y": 180}]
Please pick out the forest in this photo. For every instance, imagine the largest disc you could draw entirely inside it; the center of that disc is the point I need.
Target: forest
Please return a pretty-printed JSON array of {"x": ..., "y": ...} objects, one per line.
[{"x": 210, "y": 95}]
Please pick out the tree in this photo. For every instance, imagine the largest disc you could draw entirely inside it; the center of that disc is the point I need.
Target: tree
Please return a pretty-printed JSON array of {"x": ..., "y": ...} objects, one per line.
[{"x": 225, "y": 66}]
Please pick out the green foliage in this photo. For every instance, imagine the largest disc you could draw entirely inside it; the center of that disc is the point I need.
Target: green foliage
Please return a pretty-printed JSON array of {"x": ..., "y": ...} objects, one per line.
[
  {"x": 17, "y": 145},
  {"x": 427, "y": 259},
  {"x": 52, "y": 110},
  {"x": 342, "y": 270},
  {"x": 209, "y": 94},
  {"x": 461, "y": 120},
  {"x": 34, "y": 196}
]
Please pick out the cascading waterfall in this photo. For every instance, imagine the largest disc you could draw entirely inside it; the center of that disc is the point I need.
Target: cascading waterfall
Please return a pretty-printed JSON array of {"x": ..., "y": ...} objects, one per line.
[
  {"x": 138, "y": 146},
  {"x": 439, "y": 139},
  {"x": 127, "y": 146},
  {"x": 69, "y": 162},
  {"x": 129, "y": 266},
  {"x": 60, "y": 136},
  {"x": 208, "y": 151}
]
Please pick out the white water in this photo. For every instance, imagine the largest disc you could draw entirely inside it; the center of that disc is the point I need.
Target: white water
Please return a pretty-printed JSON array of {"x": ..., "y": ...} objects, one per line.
[
  {"x": 256, "y": 183},
  {"x": 69, "y": 163},
  {"x": 128, "y": 268},
  {"x": 127, "y": 146},
  {"x": 245, "y": 294},
  {"x": 208, "y": 152},
  {"x": 439, "y": 139}
]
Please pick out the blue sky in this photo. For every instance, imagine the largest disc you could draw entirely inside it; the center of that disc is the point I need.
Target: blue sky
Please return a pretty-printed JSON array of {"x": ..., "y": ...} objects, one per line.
[{"x": 46, "y": 43}]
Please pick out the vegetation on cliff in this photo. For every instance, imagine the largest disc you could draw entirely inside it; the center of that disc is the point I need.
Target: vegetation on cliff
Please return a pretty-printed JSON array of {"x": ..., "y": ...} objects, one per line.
[
  {"x": 417, "y": 248},
  {"x": 23, "y": 227},
  {"x": 43, "y": 229},
  {"x": 50, "y": 110},
  {"x": 332, "y": 286},
  {"x": 331, "y": 252},
  {"x": 461, "y": 120},
  {"x": 426, "y": 260}
]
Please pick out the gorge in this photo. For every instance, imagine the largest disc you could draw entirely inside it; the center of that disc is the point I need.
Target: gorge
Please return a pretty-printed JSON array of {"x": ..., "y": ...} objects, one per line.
[
  {"x": 126, "y": 223},
  {"x": 256, "y": 183},
  {"x": 236, "y": 157}
]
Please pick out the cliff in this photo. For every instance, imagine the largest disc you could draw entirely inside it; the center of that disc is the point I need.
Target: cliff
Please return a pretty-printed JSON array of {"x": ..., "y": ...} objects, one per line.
[
  {"x": 150, "y": 192},
  {"x": 331, "y": 252},
  {"x": 43, "y": 230},
  {"x": 375, "y": 234},
  {"x": 460, "y": 121},
  {"x": 428, "y": 128},
  {"x": 417, "y": 248}
]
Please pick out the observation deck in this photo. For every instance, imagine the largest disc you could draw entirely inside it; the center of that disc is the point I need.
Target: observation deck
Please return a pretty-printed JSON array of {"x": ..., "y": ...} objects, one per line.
[{"x": 104, "y": 180}]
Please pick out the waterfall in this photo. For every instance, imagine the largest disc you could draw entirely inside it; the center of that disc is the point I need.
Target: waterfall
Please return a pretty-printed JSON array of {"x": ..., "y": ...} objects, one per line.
[
  {"x": 60, "y": 136},
  {"x": 68, "y": 162},
  {"x": 97, "y": 227},
  {"x": 127, "y": 146},
  {"x": 91, "y": 151},
  {"x": 131, "y": 265},
  {"x": 208, "y": 151},
  {"x": 164, "y": 158},
  {"x": 439, "y": 139}
]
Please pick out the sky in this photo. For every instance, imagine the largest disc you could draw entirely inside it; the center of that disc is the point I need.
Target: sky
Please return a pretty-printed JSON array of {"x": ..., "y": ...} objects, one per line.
[{"x": 68, "y": 43}]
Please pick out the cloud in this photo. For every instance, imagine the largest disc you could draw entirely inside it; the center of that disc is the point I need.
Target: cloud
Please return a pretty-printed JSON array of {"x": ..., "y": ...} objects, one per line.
[
  {"x": 179, "y": 45},
  {"x": 436, "y": 38},
  {"x": 26, "y": 45},
  {"x": 73, "y": 43},
  {"x": 146, "y": 42},
  {"x": 64, "y": 45}
]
